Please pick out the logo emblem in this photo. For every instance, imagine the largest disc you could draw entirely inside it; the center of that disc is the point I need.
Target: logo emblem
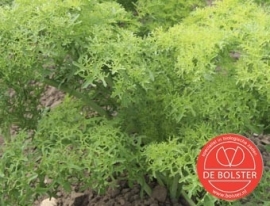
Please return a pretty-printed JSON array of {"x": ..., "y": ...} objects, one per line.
[{"x": 230, "y": 166}]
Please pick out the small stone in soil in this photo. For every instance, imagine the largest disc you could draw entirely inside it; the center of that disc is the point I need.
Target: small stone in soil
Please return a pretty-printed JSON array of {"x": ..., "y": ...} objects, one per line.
[
  {"x": 49, "y": 202},
  {"x": 134, "y": 197},
  {"x": 121, "y": 201},
  {"x": 159, "y": 193},
  {"x": 149, "y": 201},
  {"x": 125, "y": 190},
  {"x": 114, "y": 192}
]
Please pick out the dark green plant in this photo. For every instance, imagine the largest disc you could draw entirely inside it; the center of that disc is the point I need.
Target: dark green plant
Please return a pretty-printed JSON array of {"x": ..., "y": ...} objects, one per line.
[
  {"x": 6, "y": 2},
  {"x": 153, "y": 14},
  {"x": 262, "y": 2}
]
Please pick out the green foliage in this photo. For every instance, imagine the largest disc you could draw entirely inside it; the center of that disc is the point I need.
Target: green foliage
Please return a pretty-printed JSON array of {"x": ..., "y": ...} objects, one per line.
[
  {"x": 164, "y": 14},
  {"x": 259, "y": 196},
  {"x": 66, "y": 147},
  {"x": 129, "y": 5},
  {"x": 17, "y": 171},
  {"x": 262, "y": 2},
  {"x": 173, "y": 162},
  {"x": 6, "y": 2},
  {"x": 101, "y": 148},
  {"x": 139, "y": 105},
  {"x": 211, "y": 79},
  {"x": 43, "y": 41}
]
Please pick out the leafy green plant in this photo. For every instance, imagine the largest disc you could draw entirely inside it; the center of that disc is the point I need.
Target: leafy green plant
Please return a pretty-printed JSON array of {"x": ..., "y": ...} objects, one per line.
[
  {"x": 129, "y": 5},
  {"x": 173, "y": 163},
  {"x": 262, "y": 2},
  {"x": 260, "y": 196},
  {"x": 18, "y": 171},
  {"x": 164, "y": 14},
  {"x": 6, "y": 2},
  {"x": 48, "y": 44},
  {"x": 136, "y": 106},
  {"x": 66, "y": 148}
]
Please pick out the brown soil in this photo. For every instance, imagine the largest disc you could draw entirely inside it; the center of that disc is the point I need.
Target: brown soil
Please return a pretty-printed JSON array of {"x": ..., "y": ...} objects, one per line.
[{"x": 123, "y": 195}]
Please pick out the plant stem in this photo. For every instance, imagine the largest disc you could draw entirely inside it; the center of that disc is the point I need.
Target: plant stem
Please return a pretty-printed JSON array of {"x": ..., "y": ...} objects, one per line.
[
  {"x": 190, "y": 201},
  {"x": 78, "y": 95},
  {"x": 174, "y": 187},
  {"x": 161, "y": 179},
  {"x": 145, "y": 186}
]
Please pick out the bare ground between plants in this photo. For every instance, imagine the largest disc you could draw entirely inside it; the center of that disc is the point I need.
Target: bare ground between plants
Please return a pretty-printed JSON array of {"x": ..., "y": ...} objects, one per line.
[{"x": 121, "y": 196}]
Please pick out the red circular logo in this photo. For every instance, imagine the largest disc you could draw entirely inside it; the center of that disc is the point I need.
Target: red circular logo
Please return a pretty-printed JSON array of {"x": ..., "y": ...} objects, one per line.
[{"x": 230, "y": 166}]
